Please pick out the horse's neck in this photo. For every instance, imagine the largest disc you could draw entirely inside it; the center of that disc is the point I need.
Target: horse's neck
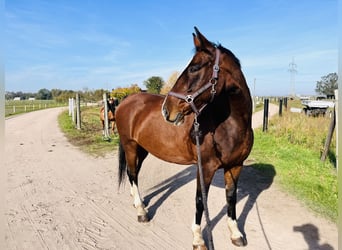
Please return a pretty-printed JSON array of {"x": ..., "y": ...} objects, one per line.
[
  {"x": 112, "y": 108},
  {"x": 230, "y": 105},
  {"x": 241, "y": 108}
]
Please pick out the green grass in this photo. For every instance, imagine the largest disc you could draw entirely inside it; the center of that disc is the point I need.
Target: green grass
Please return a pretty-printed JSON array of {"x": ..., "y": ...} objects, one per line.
[
  {"x": 89, "y": 138},
  {"x": 293, "y": 145},
  {"x": 18, "y": 107}
]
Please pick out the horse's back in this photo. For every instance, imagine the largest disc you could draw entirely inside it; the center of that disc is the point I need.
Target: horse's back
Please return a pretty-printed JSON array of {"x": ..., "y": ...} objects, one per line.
[{"x": 138, "y": 108}]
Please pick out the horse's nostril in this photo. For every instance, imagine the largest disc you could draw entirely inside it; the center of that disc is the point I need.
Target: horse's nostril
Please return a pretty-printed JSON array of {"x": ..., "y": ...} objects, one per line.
[{"x": 165, "y": 113}]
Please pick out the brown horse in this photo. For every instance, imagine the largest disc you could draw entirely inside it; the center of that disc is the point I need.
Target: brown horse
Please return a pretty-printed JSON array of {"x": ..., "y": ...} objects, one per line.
[
  {"x": 111, "y": 104},
  {"x": 212, "y": 91}
]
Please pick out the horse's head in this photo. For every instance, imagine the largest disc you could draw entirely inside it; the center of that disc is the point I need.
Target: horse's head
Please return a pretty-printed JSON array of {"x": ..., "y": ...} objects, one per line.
[
  {"x": 213, "y": 69},
  {"x": 111, "y": 105}
]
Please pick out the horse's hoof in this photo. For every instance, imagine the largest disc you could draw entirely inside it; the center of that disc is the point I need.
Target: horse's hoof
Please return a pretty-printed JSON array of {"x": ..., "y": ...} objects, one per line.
[
  {"x": 199, "y": 247},
  {"x": 143, "y": 218},
  {"x": 239, "y": 242}
]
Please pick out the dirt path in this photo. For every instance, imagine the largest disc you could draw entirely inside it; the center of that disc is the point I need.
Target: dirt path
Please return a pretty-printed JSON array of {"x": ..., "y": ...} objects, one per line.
[{"x": 60, "y": 198}]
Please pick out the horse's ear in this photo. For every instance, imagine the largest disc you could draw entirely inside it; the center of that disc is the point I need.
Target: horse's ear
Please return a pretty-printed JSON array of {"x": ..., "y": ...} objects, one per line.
[
  {"x": 197, "y": 42},
  {"x": 200, "y": 41}
]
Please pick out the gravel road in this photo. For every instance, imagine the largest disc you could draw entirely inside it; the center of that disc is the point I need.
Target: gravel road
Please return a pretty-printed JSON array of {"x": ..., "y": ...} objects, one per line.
[{"x": 60, "y": 198}]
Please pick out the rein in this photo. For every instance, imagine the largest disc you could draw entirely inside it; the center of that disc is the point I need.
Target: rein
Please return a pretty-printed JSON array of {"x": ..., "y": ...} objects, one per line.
[
  {"x": 212, "y": 83},
  {"x": 190, "y": 100},
  {"x": 203, "y": 189}
]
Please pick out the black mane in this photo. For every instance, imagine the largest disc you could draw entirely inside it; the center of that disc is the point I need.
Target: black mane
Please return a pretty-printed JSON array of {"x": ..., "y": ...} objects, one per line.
[{"x": 227, "y": 51}]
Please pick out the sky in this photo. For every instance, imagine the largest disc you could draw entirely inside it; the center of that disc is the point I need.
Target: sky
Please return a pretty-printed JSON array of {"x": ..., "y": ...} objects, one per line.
[{"x": 79, "y": 45}]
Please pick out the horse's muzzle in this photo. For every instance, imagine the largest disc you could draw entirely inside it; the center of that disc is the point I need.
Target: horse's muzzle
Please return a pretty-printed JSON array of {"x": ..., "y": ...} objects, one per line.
[{"x": 176, "y": 119}]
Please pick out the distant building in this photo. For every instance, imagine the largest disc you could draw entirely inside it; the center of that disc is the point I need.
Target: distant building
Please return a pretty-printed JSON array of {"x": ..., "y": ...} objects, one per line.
[
  {"x": 16, "y": 98},
  {"x": 32, "y": 99}
]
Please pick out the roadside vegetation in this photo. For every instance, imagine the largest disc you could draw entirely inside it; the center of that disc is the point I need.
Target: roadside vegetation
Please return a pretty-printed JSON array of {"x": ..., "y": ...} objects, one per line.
[
  {"x": 292, "y": 145},
  {"x": 89, "y": 138}
]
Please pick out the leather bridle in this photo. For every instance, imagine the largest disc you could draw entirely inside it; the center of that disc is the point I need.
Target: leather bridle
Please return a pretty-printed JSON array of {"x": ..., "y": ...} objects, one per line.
[{"x": 212, "y": 83}]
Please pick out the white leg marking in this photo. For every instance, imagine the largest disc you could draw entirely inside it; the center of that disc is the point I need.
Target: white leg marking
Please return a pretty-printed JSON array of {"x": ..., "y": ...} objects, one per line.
[
  {"x": 197, "y": 233},
  {"x": 233, "y": 228},
  {"x": 136, "y": 195},
  {"x": 132, "y": 192},
  {"x": 137, "y": 202}
]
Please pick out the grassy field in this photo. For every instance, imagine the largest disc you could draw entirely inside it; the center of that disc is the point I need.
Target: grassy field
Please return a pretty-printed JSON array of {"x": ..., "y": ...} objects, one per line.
[
  {"x": 17, "y": 107},
  {"x": 292, "y": 145}
]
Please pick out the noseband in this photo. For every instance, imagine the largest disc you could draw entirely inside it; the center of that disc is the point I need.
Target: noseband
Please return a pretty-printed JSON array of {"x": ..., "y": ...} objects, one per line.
[{"x": 212, "y": 83}]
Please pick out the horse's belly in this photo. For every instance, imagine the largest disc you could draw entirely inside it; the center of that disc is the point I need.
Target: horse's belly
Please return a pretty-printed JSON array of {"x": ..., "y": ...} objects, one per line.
[{"x": 170, "y": 151}]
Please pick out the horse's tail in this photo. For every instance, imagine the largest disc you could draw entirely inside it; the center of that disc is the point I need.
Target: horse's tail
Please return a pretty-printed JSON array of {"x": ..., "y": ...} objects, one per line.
[{"x": 122, "y": 163}]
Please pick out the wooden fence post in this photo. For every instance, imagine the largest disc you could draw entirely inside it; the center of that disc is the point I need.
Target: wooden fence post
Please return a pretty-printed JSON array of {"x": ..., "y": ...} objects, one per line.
[
  {"x": 106, "y": 128},
  {"x": 265, "y": 122},
  {"x": 70, "y": 106},
  {"x": 78, "y": 111},
  {"x": 329, "y": 137},
  {"x": 73, "y": 105},
  {"x": 280, "y": 106}
]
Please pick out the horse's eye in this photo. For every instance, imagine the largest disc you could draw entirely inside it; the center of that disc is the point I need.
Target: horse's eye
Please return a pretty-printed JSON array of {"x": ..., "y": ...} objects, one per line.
[{"x": 194, "y": 68}]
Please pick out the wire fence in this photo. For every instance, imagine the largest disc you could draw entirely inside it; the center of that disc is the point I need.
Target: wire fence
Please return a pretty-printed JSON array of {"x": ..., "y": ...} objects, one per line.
[{"x": 14, "y": 107}]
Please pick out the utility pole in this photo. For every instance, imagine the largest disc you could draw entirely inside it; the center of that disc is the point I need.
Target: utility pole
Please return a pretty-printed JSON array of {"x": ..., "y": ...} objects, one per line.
[{"x": 293, "y": 71}]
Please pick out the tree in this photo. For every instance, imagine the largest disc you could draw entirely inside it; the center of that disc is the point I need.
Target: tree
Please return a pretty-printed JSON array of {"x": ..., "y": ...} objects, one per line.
[
  {"x": 327, "y": 84},
  {"x": 55, "y": 93},
  {"x": 154, "y": 84},
  {"x": 65, "y": 95},
  {"x": 169, "y": 83},
  {"x": 98, "y": 94},
  {"x": 44, "y": 94},
  {"x": 121, "y": 93}
]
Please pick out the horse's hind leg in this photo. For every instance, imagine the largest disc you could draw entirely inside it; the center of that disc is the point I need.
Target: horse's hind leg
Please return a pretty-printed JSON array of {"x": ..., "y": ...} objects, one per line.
[
  {"x": 231, "y": 176},
  {"x": 113, "y": 127},
  {"x": 134, "y": 162}
]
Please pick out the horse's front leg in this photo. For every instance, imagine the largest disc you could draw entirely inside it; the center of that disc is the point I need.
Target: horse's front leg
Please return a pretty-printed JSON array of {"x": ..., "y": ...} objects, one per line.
[
  {"x": 198, "y": 242},
  {"x": 231, "y": 177},
  {"x": 138, "y": 203}
]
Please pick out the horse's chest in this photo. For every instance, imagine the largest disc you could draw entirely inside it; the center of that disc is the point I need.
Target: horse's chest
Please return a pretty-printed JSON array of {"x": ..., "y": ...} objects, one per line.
[{"x": 229, "y": 145}]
